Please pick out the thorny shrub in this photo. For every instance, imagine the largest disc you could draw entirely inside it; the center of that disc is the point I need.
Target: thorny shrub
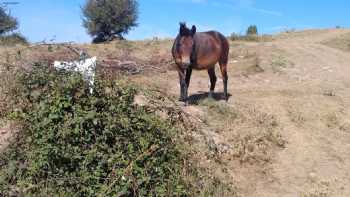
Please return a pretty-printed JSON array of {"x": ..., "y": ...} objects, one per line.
[{"x": 74, "y": 143}]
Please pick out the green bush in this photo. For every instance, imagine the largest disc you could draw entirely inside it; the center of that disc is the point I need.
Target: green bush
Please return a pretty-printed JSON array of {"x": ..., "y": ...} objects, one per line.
[
  {"x": 252, "y": 30},
  {"x": 77, "y": 144}
]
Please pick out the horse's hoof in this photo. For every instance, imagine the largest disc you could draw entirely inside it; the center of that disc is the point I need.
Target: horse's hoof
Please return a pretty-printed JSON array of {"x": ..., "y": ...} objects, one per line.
[
  {"x": 211, "y": 95},
  {"x": 183, "y": 100}
]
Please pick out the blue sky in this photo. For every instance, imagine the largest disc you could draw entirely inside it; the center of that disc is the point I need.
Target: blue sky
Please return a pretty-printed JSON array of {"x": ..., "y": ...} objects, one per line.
[{"x": 61, "y": 19}]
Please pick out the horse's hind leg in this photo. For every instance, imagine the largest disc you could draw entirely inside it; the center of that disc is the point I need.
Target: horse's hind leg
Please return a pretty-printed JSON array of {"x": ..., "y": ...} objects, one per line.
[
  {"x": 213, "y": 79},
  {"x": 223, "y": 68}
]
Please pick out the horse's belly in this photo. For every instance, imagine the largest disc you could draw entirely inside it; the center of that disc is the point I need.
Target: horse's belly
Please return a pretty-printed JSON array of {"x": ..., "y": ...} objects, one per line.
[
  {"x": 203, "y": 67},
  {"x": 207, "y": 62}
]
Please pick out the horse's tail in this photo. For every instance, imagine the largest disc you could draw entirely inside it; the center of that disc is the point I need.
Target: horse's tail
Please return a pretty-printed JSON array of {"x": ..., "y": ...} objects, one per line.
[{"x": 225, "y": 49}]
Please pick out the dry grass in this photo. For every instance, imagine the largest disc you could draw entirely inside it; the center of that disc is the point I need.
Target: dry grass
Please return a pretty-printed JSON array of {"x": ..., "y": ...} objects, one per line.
[
  {"x": 251, "y": 38},
  {"x": 342, "y": 42},
  {"x": 245, "y": 60},
  {"x": 296, "y": 116},
  {"x": 279, "y": 63},
  {"x": 252, "y": 135},
  {"x": 322, "y": 189}
]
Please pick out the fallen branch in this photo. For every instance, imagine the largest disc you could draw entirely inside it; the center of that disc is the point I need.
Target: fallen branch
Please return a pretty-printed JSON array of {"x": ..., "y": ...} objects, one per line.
[{"x": 129, "y": 67}]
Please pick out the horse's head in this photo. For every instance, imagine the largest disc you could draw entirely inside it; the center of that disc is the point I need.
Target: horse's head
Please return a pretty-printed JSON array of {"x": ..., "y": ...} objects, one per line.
[{"x": 184, "y": 45}]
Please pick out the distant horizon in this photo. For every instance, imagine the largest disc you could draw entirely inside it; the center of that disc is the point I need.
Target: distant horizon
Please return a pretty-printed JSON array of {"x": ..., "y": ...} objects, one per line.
[
  {"x": 48, "y": 41},
  {"x": 62, "y": 20}
]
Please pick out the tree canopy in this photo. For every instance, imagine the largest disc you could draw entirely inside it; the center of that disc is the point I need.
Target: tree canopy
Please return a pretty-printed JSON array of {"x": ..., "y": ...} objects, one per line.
[
  {"x": 252, "y": 30},
  {"x": 109, "y": 19},
  {"x": 7, "y": 22}
]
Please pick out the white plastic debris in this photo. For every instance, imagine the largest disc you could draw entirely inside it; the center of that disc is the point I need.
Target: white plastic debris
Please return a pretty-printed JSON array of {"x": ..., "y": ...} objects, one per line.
[{"x": 86, "y": 67}]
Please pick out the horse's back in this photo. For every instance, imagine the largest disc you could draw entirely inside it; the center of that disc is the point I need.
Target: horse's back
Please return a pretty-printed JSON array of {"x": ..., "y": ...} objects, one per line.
[{"x": 214, "y": 43}]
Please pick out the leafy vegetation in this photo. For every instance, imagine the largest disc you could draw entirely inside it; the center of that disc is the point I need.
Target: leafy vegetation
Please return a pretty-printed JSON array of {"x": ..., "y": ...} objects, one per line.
[
  {"x": 108, "y": 19},
  {"x": 7, "y": 22},
  {"x": 77, "y": 144},
  {"x": 252, "y": 30}
]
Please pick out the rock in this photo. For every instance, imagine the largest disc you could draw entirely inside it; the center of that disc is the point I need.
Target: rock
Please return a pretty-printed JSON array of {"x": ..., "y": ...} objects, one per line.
[{"x": 140, "y": 100}]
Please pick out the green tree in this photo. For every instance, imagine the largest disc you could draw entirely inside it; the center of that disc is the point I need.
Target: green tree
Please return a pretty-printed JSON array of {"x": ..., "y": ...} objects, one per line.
[
  {"x": 252, "y": 30},
  {"x": 7, "y": 22},
  {"x": 106, "y": 20}
]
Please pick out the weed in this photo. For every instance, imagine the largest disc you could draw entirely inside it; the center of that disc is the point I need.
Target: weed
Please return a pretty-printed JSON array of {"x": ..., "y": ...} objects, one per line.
[{"x": 278, "y": 64}]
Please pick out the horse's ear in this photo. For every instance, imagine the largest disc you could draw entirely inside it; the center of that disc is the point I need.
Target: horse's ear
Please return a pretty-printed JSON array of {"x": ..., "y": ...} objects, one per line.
[
  {"x": 182, "y": 28},
  {"x": 193, "y": 30}
]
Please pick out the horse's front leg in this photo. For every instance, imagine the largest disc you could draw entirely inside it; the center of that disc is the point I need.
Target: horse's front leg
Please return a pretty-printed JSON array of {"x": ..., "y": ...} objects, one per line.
[
  {"x": 188, "y": 79},
  {"x": 183, "y": 85}
]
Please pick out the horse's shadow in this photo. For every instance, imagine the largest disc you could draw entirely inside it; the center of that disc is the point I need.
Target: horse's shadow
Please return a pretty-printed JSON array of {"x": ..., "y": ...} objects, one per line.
[{"x": 195, "y": 99}]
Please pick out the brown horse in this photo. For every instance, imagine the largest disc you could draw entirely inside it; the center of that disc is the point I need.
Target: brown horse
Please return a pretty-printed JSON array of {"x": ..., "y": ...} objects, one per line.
[{"x": 200, "y": 51}]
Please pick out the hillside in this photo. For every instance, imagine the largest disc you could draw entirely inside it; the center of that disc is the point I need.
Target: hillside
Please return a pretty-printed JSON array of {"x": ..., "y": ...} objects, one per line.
[{"x": 285, "y": 130}]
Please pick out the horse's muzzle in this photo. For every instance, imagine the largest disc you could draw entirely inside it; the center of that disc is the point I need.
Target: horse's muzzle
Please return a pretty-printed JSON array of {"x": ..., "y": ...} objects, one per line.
[
  {"x": 186, "y": 65},
  {"x": 186, "y": 62}
]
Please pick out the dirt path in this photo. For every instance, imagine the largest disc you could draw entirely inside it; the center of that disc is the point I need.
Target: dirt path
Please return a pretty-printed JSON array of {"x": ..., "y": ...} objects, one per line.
[
  {"x": 316, "y": 160},
  {"x": 310, "y": 98}
]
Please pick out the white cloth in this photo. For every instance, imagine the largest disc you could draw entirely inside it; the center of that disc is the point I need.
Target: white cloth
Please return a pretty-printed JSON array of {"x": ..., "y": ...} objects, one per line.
[{"x": 86, "y": 67}]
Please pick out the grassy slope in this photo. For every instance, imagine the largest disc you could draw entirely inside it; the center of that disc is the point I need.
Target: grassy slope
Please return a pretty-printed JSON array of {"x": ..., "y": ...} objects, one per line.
[{"x": 286, "y": 125}]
